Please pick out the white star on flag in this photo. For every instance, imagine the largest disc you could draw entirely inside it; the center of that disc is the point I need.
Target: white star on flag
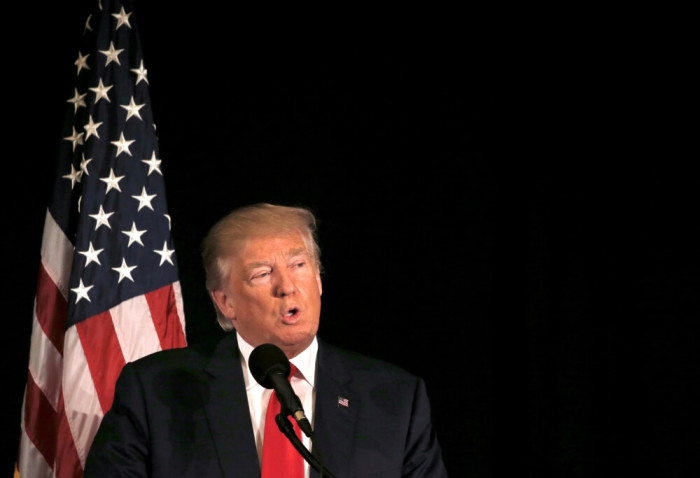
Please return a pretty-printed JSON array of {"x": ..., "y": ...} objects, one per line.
[
  {"x": 144, "y": 199},
  {"x": 124, "y": 271},
  {"x": 78, "y": 99},
  {"x": 122, "y": 145},
  {"x": 74, "y": 176},
  {"x": 122, "y": 19},
  {"x": 112, "y": 54},
  {"x": 134, "y": 234},
  {"x": 153, "y": 164},
  {"x": 101, "y": 218},
  {"x": 91, "y": 128},
  {"x": 83, "y": 165},
  {"x": 82, "y": 291},
  {"x": 101, "y": 91},
  {"x": 81, "y": 62},
  {"x": 165, "y": 254},
  {"x": 112, "y": 181},
  {"x": 76, "y": 138},
  {"x": 91, "y": 255},
  {"x": 141, "y": 73},
  {"x": 133, "y": 109}
]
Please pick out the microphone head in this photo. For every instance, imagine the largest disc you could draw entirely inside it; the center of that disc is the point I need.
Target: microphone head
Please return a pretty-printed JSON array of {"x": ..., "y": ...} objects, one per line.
[{"x": 266, "y": 360}]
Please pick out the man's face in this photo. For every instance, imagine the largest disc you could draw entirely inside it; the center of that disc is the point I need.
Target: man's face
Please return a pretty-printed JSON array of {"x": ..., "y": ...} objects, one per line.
[{"x": 273, "y": 293}]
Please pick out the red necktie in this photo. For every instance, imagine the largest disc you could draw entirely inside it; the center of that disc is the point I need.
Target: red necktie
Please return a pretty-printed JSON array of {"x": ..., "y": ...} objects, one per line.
[{"x": 280, "y": 458}]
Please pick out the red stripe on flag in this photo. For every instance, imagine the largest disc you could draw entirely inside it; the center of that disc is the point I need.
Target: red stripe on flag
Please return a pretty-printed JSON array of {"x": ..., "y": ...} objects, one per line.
[
  {"x": 51, "y": 309},
  {"x": 68, "y": 463},
  {"x": 40, "y": 420},
  {"x": 166, "y": 320},
  {"x": 103, "y": 354}
]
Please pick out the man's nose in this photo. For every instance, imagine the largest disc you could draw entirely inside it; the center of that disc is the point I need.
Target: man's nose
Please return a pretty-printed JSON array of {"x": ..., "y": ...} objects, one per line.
[{"x": 284, "y": 285}]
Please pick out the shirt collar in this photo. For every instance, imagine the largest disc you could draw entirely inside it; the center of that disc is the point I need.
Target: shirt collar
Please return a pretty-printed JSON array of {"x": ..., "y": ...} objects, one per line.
[{"x": 305, "y": 362}]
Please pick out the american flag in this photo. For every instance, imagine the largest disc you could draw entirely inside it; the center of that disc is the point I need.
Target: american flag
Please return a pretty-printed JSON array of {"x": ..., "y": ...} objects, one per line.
[{"x": 108, "y": 290}]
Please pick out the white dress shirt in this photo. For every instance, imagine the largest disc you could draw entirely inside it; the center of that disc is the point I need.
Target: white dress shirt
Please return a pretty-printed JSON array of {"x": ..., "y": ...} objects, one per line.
[{"x": 258, "y": 396}]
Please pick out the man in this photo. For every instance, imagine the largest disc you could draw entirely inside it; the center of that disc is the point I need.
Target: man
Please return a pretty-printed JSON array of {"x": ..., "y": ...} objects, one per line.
[{"x": 198, "y": 411}]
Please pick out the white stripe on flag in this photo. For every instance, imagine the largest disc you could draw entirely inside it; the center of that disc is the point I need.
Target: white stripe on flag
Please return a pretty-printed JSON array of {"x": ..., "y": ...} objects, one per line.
[
  {"x": 56, "y": 254},
  {"x": 134, "y": 327},
  {"x": 31, "y": 461},
  {"x": 82, "y": 406},
  {"x": 45, "y": 364}
]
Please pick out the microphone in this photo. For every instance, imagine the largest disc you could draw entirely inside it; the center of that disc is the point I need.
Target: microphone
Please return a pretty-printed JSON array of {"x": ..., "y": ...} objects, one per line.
[{"x": 270, "y": 368}]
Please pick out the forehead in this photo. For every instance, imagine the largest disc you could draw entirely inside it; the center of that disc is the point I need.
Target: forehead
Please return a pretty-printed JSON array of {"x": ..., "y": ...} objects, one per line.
[{"x": 268, "y": 248}]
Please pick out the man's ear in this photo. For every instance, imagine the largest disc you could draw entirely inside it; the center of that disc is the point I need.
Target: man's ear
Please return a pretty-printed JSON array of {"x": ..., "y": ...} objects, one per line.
[
  {"x": 318, "y": 282},
  {"x": 223, "y": 302}
]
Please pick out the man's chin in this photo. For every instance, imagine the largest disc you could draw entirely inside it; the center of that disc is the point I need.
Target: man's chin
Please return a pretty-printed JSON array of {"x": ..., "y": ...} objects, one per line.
[{"x": 295, "y": 343}]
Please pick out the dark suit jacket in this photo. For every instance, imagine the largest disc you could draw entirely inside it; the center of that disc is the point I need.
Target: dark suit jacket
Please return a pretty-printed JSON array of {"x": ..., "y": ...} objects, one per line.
[{"x": 184, "y": 413}]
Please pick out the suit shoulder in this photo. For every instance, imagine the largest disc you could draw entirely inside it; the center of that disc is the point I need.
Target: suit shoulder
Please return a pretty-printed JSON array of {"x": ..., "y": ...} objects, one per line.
[{"x": 190, "y": 356}]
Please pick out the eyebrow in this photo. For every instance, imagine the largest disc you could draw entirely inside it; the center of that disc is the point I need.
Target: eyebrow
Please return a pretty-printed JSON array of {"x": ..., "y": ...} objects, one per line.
[
  {"x": 297, "y": 252},
  {"x": 291, "y": 253}
]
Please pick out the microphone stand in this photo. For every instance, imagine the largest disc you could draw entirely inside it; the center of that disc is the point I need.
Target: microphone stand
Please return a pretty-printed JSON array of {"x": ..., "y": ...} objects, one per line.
[{"x": 286, "y": 427}]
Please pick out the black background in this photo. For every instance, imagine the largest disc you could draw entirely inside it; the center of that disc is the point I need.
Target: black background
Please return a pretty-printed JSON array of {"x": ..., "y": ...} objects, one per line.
[{"x": 506, "y": 208}]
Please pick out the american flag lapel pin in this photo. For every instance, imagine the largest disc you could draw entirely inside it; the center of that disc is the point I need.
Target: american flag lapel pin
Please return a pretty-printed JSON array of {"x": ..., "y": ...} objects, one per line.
[{"x": 342, "y": 401}]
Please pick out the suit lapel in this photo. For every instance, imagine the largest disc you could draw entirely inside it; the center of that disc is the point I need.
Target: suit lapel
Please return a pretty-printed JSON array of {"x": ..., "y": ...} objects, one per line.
[
  {"x": 228, "y": 413},
  {"x": 334, "y": 417}
]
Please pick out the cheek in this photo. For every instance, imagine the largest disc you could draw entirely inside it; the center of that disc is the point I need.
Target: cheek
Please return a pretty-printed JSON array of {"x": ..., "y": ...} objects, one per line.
[{"x": 252, "y": 301}]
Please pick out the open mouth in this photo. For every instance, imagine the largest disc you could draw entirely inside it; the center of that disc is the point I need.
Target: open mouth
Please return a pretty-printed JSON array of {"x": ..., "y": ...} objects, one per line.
[{"x": 292, "y": 312}]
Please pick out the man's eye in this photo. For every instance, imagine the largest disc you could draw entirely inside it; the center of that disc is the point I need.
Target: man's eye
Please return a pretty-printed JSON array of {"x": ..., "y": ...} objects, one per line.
[{"x": 261, "y": 275}]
